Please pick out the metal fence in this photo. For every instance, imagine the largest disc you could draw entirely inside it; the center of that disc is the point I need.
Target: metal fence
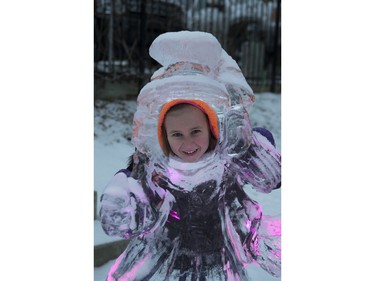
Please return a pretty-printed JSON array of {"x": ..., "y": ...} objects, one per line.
[{"x": 249, "y": 30}]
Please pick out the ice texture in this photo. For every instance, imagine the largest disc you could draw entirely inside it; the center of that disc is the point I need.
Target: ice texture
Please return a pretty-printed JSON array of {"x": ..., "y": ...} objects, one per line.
[
  {"x": 197, "y": 47},
  {"x": 195, "y": 221}
]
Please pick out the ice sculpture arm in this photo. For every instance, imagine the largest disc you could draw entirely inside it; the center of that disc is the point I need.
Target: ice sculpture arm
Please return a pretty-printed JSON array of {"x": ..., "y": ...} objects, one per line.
[
  {"x": 260, "y": 166},
  {"x": 263, "y": 243},
  {"x": 260, "y": 235},
  {"x": 125, "y": 208},
  {"x": 266, "y": 245}
]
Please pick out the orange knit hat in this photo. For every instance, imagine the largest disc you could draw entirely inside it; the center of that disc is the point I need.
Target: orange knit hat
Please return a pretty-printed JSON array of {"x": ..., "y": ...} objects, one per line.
[{"x": 211, "y": 114}]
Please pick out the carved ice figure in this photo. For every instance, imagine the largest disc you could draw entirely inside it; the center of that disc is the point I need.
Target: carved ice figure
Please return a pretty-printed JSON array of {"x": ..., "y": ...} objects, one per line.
[{"x": 194, "y": 221}]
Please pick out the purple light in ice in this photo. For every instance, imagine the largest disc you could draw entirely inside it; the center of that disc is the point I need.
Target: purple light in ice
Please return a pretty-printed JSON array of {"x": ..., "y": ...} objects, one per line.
[
  {"x": 174, "y": 214},
  {"x": 273, "y": 227},
  {"x": 248, "y": 225},
  {"x": 137, "y": 268},
  {"x": 173, "y": 175}
]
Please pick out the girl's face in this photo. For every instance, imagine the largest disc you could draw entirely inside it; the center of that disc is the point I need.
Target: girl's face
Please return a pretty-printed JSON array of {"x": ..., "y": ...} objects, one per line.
[{"x": 187, "y": 132}]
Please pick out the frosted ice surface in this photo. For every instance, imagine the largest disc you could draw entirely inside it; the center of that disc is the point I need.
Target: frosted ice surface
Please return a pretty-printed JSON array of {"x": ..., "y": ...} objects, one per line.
[{"x": 193, "y": 46}]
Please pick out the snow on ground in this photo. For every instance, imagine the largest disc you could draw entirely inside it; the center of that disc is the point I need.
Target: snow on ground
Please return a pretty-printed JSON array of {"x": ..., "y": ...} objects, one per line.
[{"x": 113, "y": 128}]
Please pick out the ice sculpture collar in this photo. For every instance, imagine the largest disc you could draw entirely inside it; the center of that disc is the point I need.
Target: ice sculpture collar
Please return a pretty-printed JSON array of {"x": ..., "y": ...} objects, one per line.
[
  {"x": 209, "y": 167},
  {"x": 206, "y": 159}
]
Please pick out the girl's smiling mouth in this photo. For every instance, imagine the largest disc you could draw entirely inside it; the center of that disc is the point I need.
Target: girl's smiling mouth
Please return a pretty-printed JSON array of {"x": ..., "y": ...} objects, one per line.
[{"x": 191, "y": 152}]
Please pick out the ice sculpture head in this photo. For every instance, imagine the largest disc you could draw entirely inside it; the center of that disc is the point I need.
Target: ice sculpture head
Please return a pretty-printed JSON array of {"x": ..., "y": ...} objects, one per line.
[
  {"x": 194, "y": 68},
  {"x": 188, "y": 129}
]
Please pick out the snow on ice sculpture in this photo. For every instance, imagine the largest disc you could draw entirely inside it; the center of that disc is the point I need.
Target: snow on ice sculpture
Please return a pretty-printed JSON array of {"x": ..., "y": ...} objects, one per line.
[{"x": 194, "y": 221}]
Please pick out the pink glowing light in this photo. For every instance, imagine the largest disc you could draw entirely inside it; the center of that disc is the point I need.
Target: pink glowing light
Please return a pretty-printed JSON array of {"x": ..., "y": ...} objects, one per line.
[
  {"x": 248, "y": 225},
  {"x": 114, "y": 267},
  {"x": 174, "y": 214},
  {"x": 174, "y": 176},
  {"x": 137, "y": 270},
  {"x": 272, "y": 226}
]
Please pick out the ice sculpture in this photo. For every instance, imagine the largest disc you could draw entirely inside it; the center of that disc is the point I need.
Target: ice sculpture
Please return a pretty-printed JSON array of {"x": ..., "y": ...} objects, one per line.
[{"x": 194, "y": 221}]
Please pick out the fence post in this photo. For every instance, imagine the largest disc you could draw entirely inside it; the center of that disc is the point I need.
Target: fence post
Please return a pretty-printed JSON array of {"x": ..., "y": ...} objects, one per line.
[
  {"x": 95, "y": 203},
  {"x": 110, "y": 37},
  {"x": 275, "y": 46},
  {"x": 142, "y": 43}
]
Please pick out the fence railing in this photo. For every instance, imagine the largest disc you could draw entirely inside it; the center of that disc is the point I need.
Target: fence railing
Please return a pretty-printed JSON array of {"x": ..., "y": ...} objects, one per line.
[{"x": 249, "y": 30}]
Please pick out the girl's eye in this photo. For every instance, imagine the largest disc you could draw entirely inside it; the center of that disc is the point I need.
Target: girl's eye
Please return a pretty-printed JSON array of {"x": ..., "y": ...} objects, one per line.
[
  {"x": 176, "y": 135},
  {"x": 196, "y": 132}
]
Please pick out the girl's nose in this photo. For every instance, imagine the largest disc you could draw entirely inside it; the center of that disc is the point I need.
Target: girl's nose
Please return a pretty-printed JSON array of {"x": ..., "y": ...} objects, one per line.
[{"x": 188, "y": 141}]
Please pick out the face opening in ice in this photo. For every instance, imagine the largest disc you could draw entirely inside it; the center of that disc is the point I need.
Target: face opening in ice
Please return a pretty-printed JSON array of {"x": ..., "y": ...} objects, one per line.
[{"x": 186, "y": 131}]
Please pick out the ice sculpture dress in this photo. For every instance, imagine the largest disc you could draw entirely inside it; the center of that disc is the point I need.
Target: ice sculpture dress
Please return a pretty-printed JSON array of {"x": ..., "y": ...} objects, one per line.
[{"x": 194, "y": 221}]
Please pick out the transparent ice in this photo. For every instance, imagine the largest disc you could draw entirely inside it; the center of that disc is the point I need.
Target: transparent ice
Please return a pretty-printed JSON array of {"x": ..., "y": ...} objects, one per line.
[{"x": 195, "y": 221}]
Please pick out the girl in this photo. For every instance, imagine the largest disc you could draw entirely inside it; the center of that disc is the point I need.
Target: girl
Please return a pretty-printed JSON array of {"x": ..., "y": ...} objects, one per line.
[{"x": 184, "y": 202}]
